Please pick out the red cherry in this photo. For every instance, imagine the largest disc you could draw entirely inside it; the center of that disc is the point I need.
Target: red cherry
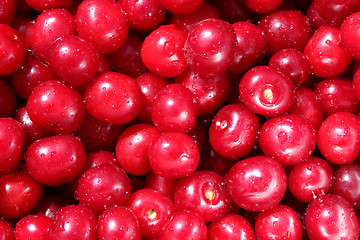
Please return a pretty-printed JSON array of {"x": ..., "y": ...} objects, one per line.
[
  {"x": 49, "y": 205},
  {"x": 262, "y": 6},
  {"x": 165, "y": 186},
  {"x": 100, "y": 157},
  {"x": 24, "y": 24},
  {"x": 7, "y": 11},
  {"x": 232, "y": 10},
  {"x": 314, "y": 18},
  {"x": 8, "y": 101},
  {"x": 7, "y": 232},
  {"x": 182, "y": 7},
  {"x": 32, "y": 227},
  {"x": 40, "y": 5}
]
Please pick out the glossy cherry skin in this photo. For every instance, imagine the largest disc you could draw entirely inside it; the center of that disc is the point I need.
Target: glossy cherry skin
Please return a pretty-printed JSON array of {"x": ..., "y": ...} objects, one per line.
[
  {"x": 50, "y": 25},
  {"x": 250, "y": 46},
  {"x": 210, "y": 92},
  {"x": 118, "y": 223},
  {"x": 266, "y": 91},
  {"x": 73, "y": 222},
  {"x": 185, "y": 22},
  {"x": 234, "y": 131},
  {"x": 144, "y": 15},
  {"x": 308, "y": 106},
  {"x": 102, "y": 187},
  {"x": 19, "y": 193},
  {"x": 31, "y": 74},
  {"x": 7, "y": 11},
  {"x": 73, "y": 60},
  {"x": 262, "y": 6},
  {"x": 13, "y": 49},
  {"x": 56, "y": 107},
  {"x": 263, "y": 183},
  {"x": 12, "y": 138},
  {"x": 327, "y": 58},
  {"x": 350, "y": 34},
  {"x": 338, "y": 138},
  {"x": 32, "y": 227},
  {"x": 24, "y": 24},
  {"x": 7, "y": 232},
  {"x": 346, "y": 183},
  {"x": 210, "y": 46},
  {"x": 165, "y": 186},
  {"x": 8, "y": 101},
  {"x": 174, "y": 109},
  {"x": 292, "y": 63},
  {"x": 314, "y": 18},
  {"x": 150, "y": 84},
  {"x": 61, "y": 157},
  {"x": 173, "y": 155},
  {"x": 182, "y": 7},
  {"x": 289, "y": 139},
  {"x": 331, "y": 217},
  {"x": 100, "y": 157},
  {"x": 111, "y": 92},
  {"x": 152, "y": 209},
  {"x": 310, "y": 179},
  {"x": 40, "y": 5},
  {"x": 166, "y": 43},
  {"x": 107, "y": 34},
  {"x": 285, "y": 29},
  {"x": 337, "y": 95},
  {"x": 204, "y": 193},
  {"x": 97, "y": 134},
  {"x": 132, "y": 148},
  {"x": 279, "y": 222},
  {"x": 231, "y": 226},
  {"x": 184, "y": 223},
  {"x": 127, "y": 58}
]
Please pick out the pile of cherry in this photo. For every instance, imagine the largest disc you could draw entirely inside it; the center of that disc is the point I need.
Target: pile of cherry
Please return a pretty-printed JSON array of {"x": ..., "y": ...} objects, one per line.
[{"x": 168, "y": 119}]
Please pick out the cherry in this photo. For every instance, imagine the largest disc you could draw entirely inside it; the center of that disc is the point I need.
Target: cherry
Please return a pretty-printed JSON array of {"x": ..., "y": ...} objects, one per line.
[
  {"x": 230, "y": 226},
  {"x": 327, "y": 58},
  {"x": 165, "y": 186},
  {"x": 210, "y": 46},
  {"x": 100, "y": 157},
  {"x": 173, "y": 155},
  {"x": 263, "y": 183},
  {"x": 279, "y": 222},
  {"x": 338, "y": 137},
  {"x": 6, "y": 230},
  {"x": 40, "y": 5},
  {"x": 7, "y": 11},
  {"x": 314, "y": 18},
  {"x": 56, "y": 107},
  {"x": 289, "y": 139},
  {"x": 182, "y": 7},
  {"x": 266, "y": 91},
  {"x": 337, "y": 95},
  {"x": 285, "y": 29},
  {"x": 73, "y": 60},
  {"x": 174, "y": 109},
  {"x": 310, "y": 179},
  {"x": 118, "y": 223},
  {"x": 184, "y": 223},
  {"x": 262, "y": 6},
  {"x": 109, "y": 92},
  {"x": 232, "y": 10},
  {"x": 8, "y": 101},
  {"x": 12, "y": 48},
  {"x": 73, "y": 222},
  {"x": 167, "y": 43},
  {"x": 204, "y": 193},
  {"x": 200, "y": 135},
  {"x": 50, "y": 25},
  {"x": 107, "y": 34},
  {"x": 349, "y": 34},
  {"x": 152, "y": 209},
  {"x": 331, "y": 217},
  {"x": 49, "y": 205},
  {"x": 25, "y": 24},
  {"x": 61, "y": 157},
  {"x": 102, "y": 187},
  {"x": 234, "y": 131},
  {"x": 144, "y": 15},
  {"x": 32, "y": 227},
  {"x": 132, "y": 148}
]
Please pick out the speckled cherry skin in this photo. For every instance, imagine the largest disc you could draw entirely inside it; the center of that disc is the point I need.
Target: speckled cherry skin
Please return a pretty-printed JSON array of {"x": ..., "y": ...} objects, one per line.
[
  {"x": 32, "y": 227},
  {"x": 350, "y": 34},
  {"x": 234, "y": 131},
  {"x": 338, "y": 137},
  {"x": 263, "y": 181},
  {"x": 331, "y": 217},
  {"x": 7, "y": 232}
]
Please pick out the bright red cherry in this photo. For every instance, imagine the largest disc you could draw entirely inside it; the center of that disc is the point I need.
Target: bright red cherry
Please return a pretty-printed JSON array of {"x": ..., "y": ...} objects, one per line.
[
  {"x": 7, "y": 232},
  {"x": 100, "y": 157},
  {"x": 7, "y": 11},
  {"x": 350, "y": 34},
  {"x": 314, "y": 18},
  {"x": 32, "y": 227},
  {"x": 40, "y": 5}
]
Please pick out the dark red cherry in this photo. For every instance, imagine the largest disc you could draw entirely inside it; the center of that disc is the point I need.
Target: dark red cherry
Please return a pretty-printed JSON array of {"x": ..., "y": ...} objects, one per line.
[
  {"x": 338, "y": 137},
  {"x": 73, "y": 222},
  {"x": 204, "y": 193},
  {"x": 165, "y": 186},
  {"x": 8, "y": 101},
  {"x": 61, "y": 157},
  {"x": 210, "y": 46},
  {"x": 279, "y": 222},
  {"x": 49, "y": 205},
  {"x": 103, "y": 24},
  {"x": 285, "y": 29},
  {"x": 32, "y": 227},
  {"x": 118, "y": 223},
  {"x": 152, "y": 209},
  {"x": 331, "y": 217},
  {"x": 327, "y": 58},
  {"x": 234, "y": 131},
  {"x": 263, "y": 183},
  {"x": 25, "y": 25},
  {"x": 266, "y": 91},
  {"x": 262, "y": 6},
  {"x": 56, "y": 107},
  {"x": 182, "y": 7},
  {"x": 314, "y": 18},
  {"x": 232, "y": 10}
]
